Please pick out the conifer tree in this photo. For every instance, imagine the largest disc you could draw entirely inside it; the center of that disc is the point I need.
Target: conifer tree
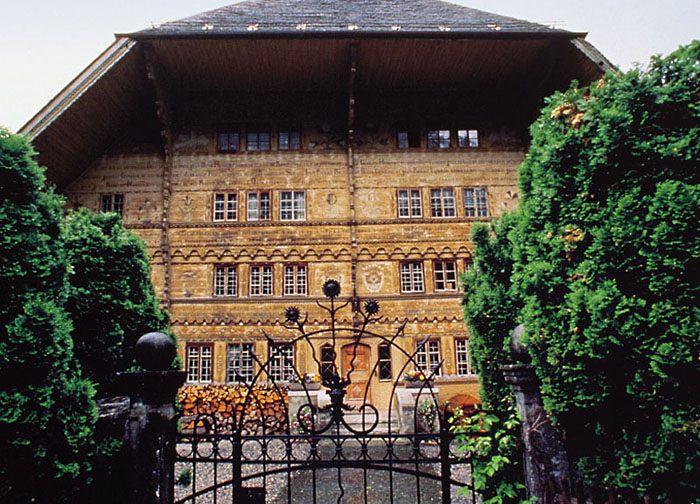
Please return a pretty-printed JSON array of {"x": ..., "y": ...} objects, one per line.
[{"x": 47, "y": 413}]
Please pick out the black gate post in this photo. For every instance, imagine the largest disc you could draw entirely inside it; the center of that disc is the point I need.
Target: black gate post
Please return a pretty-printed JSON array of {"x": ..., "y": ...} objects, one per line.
[
  {"x": 445, "y": 468},
  {"x": 150, "y": 429},
  {"x": 237, "y": 473}
]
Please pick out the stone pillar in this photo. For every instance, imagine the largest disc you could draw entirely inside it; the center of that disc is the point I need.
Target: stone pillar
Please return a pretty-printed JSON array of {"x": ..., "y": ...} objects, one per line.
[
  {"x": 407, "y": 401},
  {"x": 151, "y": 429},
  {"x": 546, "y": 461}
]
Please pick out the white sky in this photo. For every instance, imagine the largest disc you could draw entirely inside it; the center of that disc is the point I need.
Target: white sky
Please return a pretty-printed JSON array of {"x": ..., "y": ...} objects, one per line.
[{"x": 44, "y": 44}]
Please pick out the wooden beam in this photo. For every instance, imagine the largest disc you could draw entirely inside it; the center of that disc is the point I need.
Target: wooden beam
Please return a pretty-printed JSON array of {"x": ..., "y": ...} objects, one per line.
[
  {"x": 352, "y": 74},
  {"x": 157, "y": 79}
]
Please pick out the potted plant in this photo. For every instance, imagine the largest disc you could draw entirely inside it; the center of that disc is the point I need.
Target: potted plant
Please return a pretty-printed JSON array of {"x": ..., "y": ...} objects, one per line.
[
  {"x": 310, "y": 381},
  {"x": 416, "y": 379}
]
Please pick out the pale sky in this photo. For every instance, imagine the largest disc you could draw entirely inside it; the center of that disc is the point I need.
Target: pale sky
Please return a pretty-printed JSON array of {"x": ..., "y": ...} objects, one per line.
[{"x": 44, "y": 44}]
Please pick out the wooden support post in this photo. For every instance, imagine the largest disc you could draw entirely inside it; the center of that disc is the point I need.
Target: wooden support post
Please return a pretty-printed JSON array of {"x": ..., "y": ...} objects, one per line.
[
  {"x": 156, "y": 77},
  {"x": 352, "y": 71}
]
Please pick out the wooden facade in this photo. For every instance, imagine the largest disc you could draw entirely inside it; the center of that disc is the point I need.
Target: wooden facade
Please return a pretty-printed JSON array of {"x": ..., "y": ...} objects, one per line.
[{"x": 256, "y": 167}]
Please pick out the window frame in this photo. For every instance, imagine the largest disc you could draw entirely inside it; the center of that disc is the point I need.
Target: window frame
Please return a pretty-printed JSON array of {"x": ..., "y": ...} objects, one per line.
[
  {"x": 281, "y": 367},
  {"x": 293, "y": 210},
  {"x": 412, "y": 135},
  {"x": 258, "y": 130},
  {"x": 462, "y": 357},
  {"x": 327, "y": 364},
  {"x": 289, "y": 130},
  {"x": 427, "y": 355},
  {"x": 226, "y": 208},
  {"x": 111, "y": 199},
  {"x": 384, "y": 363},
  {"x": 443, "y": 206},
  {"x": 258, "y": 195},
  {"x": 468, "y": 140},
  {"x": 440, "y": 138},
  {"x": 479, "y": 202},
  {"x": 227, "y": 291},
  {"x": 271, "y": 283},
  {"x": 412, "y": 279},
  {"x": 444, "y": 272},
  {"x": 410, "y": 200},
  {"x": 296, "y": 267},
  {"x": 234, "y": 133},
  {"x": 231, "y": 368},
  {"x": 200, "y": 359}
]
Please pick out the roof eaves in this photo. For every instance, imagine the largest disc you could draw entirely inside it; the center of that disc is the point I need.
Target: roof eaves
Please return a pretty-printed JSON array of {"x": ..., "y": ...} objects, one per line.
[{"x": 75, "y": 89}]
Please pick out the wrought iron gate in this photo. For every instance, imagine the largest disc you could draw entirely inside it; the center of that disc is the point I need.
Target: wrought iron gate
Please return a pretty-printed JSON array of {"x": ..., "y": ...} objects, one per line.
[{"x": 325, "y": 453}]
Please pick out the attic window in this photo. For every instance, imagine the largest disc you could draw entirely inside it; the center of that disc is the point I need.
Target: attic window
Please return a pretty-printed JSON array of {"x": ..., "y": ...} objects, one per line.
[
  {"x": 407, "y": 136},
  {"x": 289, "y": 138},
  {"x": 438, "y": 139},
  {"x": 258, "y": 138},
  {"x": 468, "y": 138},
  {"x": 229, "y": 141}
]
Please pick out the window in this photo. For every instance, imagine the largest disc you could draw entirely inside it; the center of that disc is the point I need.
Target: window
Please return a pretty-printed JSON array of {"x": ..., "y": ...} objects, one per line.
[
  {"x": 229, "y": 141},
  {"x": 225, "y": 281},
  {"x": 445, "y": 276},
  {"x": 258, "y": 138},
  {"x": 293, "y": 205},
  {"x": 281, "y": 356},
  {"x": 438, "y": 139},
  {"x": 327, "y": 361},
  {"x": 409, "y": 203},
  {"x": 407, "y": 136},
  {"x": 468, "y": 138},
  {"x": 384, "y": 362},
  {"x": 475, "y": 204},
  {"x": 113, "y": 203},
  {"x": 199, "y": 359},
  {"x": 428, "y": 357},
  {"x": 225, "y": 207},
  {"x": 259, "y": 205},
  {"x": 295, "y": 280},
  {"x": 468, "y": 265},
  {"x": 412, "y": 277},
  {"x": 240, "y": 365},
  {"x": 442, "y": 202},
  {"x": 261, "y": 280},
  {"x": 464, "y": 365},
  {"x": 289, "y": 138}
]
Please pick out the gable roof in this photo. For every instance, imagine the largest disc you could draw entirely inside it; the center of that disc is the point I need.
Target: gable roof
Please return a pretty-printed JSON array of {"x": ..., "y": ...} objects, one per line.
[{"x": 350, "y": 17}]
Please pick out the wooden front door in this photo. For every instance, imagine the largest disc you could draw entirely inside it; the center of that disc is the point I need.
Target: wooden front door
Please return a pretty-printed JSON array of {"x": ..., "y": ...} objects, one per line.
[{"x": 359, "y": 379}]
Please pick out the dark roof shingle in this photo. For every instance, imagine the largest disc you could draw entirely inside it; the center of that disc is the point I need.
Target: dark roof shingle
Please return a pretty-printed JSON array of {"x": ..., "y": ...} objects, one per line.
[{"x": 344, "y": 16}]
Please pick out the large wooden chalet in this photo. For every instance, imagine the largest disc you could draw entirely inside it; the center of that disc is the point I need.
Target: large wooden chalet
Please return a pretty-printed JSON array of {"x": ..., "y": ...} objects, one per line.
[{"x": 264, "y": 147}]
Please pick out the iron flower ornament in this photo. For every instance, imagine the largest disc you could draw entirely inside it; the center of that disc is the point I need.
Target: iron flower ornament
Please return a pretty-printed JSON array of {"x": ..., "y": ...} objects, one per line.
[
  {"x": 331, "y": 288},
  {"x": 371, "y": 307},
  {"x": 292, "y": 313}
]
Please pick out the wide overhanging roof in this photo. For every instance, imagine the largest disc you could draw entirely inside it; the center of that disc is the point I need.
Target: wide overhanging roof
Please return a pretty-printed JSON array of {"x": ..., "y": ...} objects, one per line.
[
  {"x": 257, "y": 44},
  {"x": 344, "y": 17}
]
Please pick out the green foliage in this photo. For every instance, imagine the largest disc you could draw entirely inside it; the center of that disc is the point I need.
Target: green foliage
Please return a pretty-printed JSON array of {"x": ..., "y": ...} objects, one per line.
[
  {"x": 601, "y": 263},
  {"x": 492, "y": 444},
  {"x": 47, "y": 413},
  {"x": 608, "y": 264},
  {"x": 490, "y": 311},
  {"x": 112, "y": 301}
]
